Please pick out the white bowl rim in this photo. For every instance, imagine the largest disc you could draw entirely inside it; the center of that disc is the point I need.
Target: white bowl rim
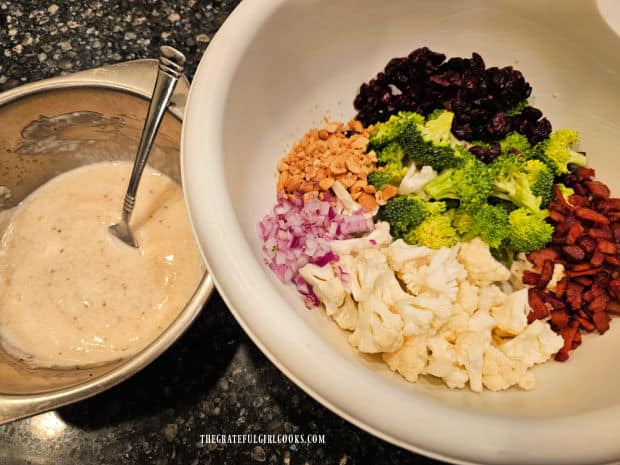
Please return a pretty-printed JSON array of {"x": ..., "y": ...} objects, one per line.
[{"x": 440, "y": 432}]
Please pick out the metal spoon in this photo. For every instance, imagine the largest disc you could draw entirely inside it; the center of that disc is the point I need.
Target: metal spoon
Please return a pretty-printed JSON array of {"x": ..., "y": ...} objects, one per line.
[{"x": 171, "y": 63}]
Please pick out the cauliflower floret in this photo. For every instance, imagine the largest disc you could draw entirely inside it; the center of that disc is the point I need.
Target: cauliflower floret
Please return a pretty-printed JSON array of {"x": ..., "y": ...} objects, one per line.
[
  {"x": 456, "y": 324},
  {"x": 441, "y": 306},
  {"x": 490, "y": 297},
  {"x": 500, "y": 372},
  {"x": 414, "y": 277},
  {"x": 470, "y": 348},
  {"x": 534, "y": 345},
  {"x": 400, "y": 253},
  {"x": 325, "y": 284},
  {"x": 468, "y": 297},
  {"x": 443, "y": 364},
  {"x": 410, "y": 359},
  {"x": 481, "y": 267},
  {"x": 378, "y": 329},
  {"x": 558, "y": 274},
  {"x": 444, "y": 271},
  {"x": 344, "y": 268},
  {"x": 519, "y": 266},
  {"x": 415, "y": 180},
  {"x": 440, "y": 275},
  {"x": 416, "y": 320},
  {"x": 369, "y": 266},
  {"x": 511, "y": 317},
  {"x": 388, "y": 288},
  {"x": 380, "y": 236},
  {"x": 481, "y": 321},
  {"x": 346, "y": 314}
]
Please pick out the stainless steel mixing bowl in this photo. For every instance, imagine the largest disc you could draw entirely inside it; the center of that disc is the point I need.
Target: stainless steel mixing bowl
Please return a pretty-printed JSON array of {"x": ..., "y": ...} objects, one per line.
[{"x": 52, "y": 126}]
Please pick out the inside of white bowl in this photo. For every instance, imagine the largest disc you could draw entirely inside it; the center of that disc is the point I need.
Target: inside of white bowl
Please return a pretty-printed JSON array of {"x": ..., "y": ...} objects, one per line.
[
  {"x": 308, "y": 62},
  {"x": 279, "y": 67}
]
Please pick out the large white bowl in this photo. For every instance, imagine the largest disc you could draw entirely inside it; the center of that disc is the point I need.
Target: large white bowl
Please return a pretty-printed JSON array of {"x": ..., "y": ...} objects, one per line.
[{"x": 278, "y": 67}]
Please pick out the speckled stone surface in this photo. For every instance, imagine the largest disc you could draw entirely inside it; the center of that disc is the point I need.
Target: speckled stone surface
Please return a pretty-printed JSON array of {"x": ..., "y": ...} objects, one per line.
[{"x": 213, "y": 380}]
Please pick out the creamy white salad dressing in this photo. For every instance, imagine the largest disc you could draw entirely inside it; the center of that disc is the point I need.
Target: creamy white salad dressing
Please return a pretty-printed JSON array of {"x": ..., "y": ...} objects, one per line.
[{"x": 73, "y": 295}]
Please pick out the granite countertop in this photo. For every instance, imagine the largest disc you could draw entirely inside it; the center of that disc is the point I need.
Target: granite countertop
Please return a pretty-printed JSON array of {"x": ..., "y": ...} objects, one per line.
[{"x": 213, "y": 380}]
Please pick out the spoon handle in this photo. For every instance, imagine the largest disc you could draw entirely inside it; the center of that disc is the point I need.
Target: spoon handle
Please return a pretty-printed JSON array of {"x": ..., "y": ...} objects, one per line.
[{"x": 170, "y": 69}]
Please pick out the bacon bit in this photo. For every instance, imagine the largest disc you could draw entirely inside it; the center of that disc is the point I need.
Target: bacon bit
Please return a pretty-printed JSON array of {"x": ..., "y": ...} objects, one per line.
[
  {"x": 587, "y": 243},
  {"x": 556, "y": 216},
  {"x": 598, "y": 304},
  {"x": 585, "y": 173},
  {"x": 600, "y": 233},
  {"x": 602, "y": 280},
  {"x": 582, "y": 314},
  {"x": 581, "y": 267},
  {"x": 559, "y": 319},
  {"x": 612, "y": 260},
  {"x": 613, "y": 204},
  {"x": 574, "y": 294},
  {"x": 538, "y": 257},
  {"x": 576, "y": 341},
  {"x": 574, "y": 252},
  {"x": 606, "y": 247},
  {"x": 539, "y": 309},
  {"x": 586, "y": 325},
  {"x": 598, "y": 189},
  {"x": 586, "y": 272},
  {"x": 546, "y": 274},
  {"x": 586, "y": 282},
  {"x": 613, "y": 307},
  {"x": 568, "y": 334},
  {"x": 579, "y": 200},
  {"x": 574, "y": 233},
  {"x": 593, "y": 293},
  {"x": 591, "y": 215},
  {"x": 601, "y": 321},
  {"x": 560, "y": 288},
  {"x": 530, "y": 278},
  {"x": 614, "y": 287},
  {"x": 597, "y": 258},
  {"x": 555, "y": 303}
]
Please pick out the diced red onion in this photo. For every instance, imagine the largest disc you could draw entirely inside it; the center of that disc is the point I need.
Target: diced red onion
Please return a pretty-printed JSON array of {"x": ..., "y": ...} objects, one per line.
[{"x": 295, "y": 234}]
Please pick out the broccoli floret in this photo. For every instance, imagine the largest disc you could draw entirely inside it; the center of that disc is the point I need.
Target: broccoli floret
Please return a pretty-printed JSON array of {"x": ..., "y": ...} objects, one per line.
[
  {"x": 405, "y": 212},
  {"x": 393, "y": 128},
  {"x": 435, "y": 114},
  {"x": 470, "y": 183},
  {"x": 391, "y": 153},
  {"x": 506, "y": 205},
  {"x": 392, "y": 173},
  {"x": 514, "y": 142},
  {"x": 435, "y": 232},
  {"x": 527, "y": 231},
  {"x": 431, "y": 144},
  {"x": 511, "y": 182},
  {"x": 557, "y": 153},
  {"x": 379, "y": 179},
  {"x": 518, "y": 108},
  {"x": 463, "y": 222},
  {"x": 491, "y": 224},
  {"x": 541, "y": 180}
]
